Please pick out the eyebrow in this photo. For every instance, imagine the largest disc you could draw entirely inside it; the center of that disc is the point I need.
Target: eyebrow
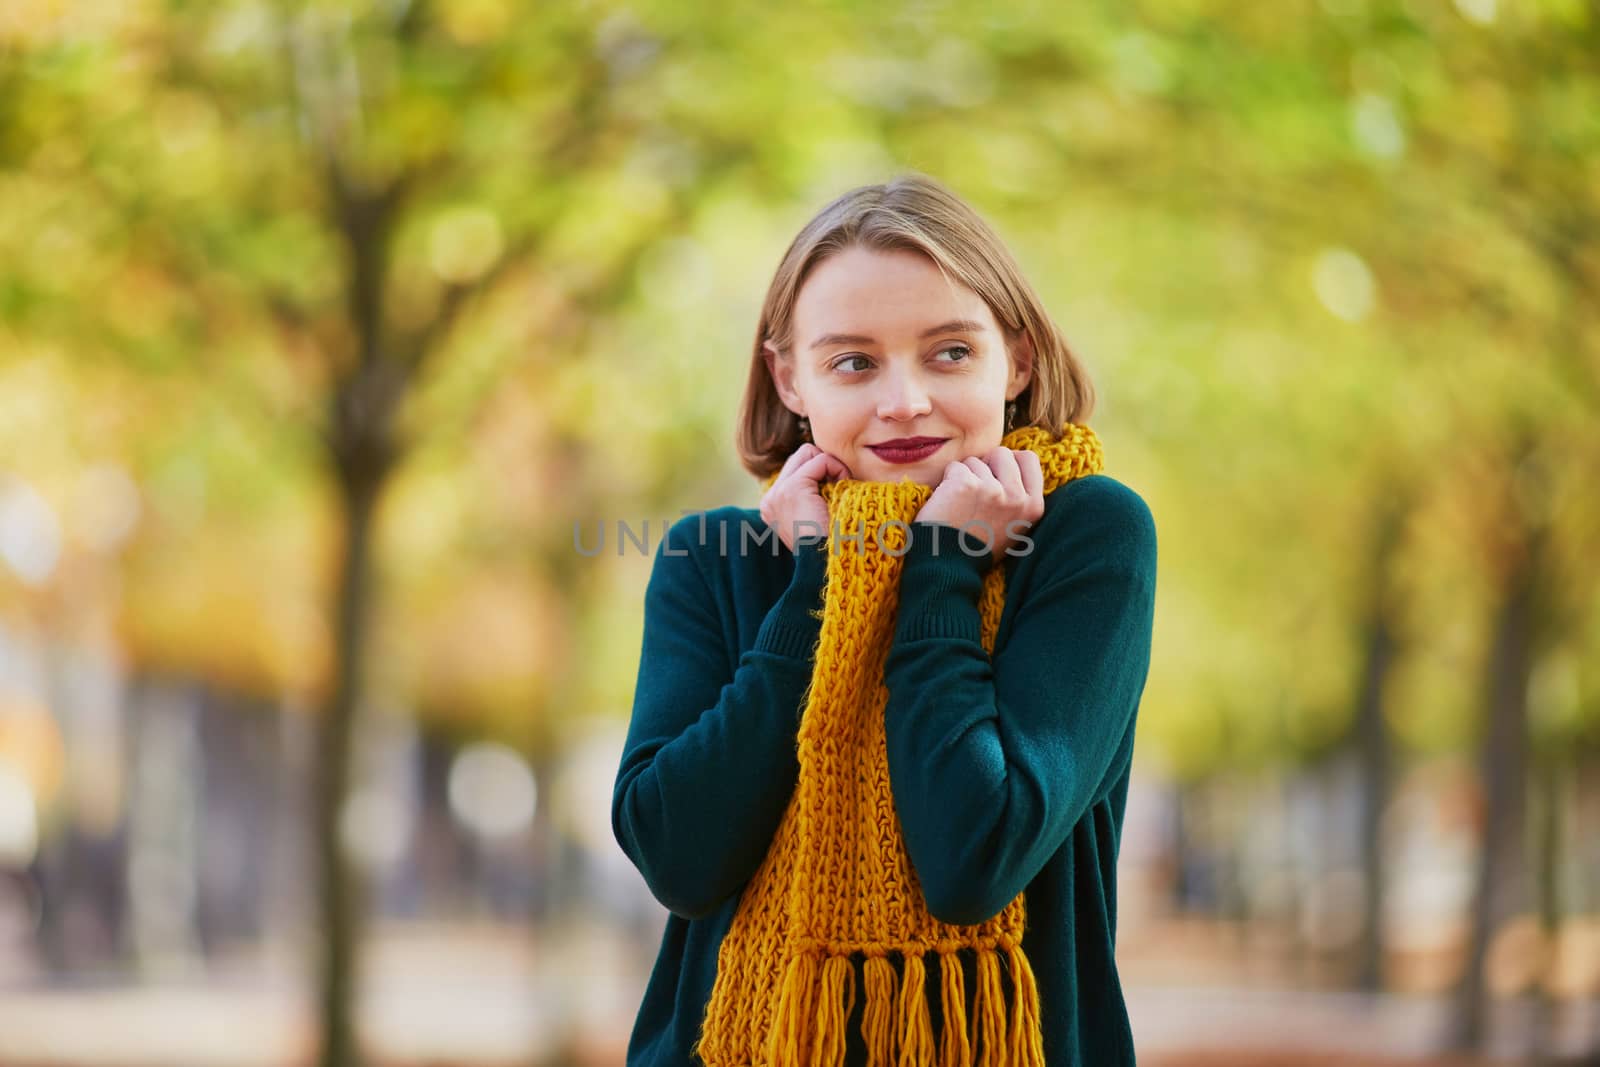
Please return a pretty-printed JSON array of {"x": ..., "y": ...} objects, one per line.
[{"x": 953, "y": 326}]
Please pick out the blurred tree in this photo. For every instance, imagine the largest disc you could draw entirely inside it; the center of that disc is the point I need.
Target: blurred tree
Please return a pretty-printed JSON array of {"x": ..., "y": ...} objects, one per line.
[
  {"x": 1429, "y": 172},
  {"x": 310, "y": 203}
]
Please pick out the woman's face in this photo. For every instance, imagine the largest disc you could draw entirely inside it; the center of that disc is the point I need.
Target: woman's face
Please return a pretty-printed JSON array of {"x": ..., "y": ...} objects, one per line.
[{"x": 886, "y": 348}]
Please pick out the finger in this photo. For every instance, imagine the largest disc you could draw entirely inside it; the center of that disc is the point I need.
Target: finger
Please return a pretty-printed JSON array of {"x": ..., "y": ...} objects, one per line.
[
  {"x": 956, "y": 470},
  {"x": 1003, "y": 462},
  {"x": 802, "y": 455},
  {"x": 797, "y": 457},
  {"x": 819, "y": 467},
  {"x": 836, "y": 467},
  {"x": 1032, "y": 474},
  {"x": 986, "y": 477}
]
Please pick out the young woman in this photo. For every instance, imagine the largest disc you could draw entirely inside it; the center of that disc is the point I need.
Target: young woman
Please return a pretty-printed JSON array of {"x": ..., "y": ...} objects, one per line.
[{"x": 883, "y": 723}]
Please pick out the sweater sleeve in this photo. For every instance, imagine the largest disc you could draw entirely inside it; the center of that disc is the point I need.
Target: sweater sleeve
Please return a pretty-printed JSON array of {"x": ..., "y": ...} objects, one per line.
[
  {"x": 710, "y": 762},
  {"x": 992, "y": 764}
]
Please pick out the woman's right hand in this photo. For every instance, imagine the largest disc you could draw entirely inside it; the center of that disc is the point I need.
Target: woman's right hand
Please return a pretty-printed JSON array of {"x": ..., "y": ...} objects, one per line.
[{"x": 793, "y": 506}]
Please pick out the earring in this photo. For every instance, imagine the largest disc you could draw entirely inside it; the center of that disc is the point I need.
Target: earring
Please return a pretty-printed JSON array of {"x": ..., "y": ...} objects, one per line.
[
  {"x": 1011, "y": 414},
  {"x": 805, "y": 428}
]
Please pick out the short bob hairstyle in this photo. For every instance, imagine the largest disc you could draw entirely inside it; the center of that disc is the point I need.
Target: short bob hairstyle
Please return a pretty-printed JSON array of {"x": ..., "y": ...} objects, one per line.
[{"x": 915, "y": 213}]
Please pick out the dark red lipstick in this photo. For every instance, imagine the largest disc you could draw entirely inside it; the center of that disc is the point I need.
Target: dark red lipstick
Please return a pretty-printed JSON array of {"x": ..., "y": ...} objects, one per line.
[{"x": 907, "y": 449}]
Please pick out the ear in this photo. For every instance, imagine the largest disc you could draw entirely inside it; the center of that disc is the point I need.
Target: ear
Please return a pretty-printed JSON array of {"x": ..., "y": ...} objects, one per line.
[
  {"x": 1021, "y": 366},
  {"x": 782, "y": 372}
]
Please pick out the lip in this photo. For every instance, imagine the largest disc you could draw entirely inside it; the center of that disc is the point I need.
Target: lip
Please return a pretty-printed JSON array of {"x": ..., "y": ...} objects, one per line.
[{"x": 908, "y": 449}]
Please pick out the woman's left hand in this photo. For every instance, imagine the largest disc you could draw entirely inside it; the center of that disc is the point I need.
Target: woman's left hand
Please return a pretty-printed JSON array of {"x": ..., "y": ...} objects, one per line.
[{"x": 993, "y": 498}]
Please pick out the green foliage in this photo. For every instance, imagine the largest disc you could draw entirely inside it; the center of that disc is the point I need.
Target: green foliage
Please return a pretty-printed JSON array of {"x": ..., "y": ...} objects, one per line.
[{"x": 1319, "y": 257}]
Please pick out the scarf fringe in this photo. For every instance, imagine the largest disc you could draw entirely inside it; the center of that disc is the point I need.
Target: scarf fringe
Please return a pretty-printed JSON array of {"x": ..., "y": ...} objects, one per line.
[
  {"x": 916, "y": 1028},
  {"x": 1027, "y": 1041},
  {"x": 818, "y": 997},
  {"x": 838, "y": 1001},
  {"x": 956, "y": 1050},
  {"x": 791, "y": 1027},
  {"x": 989, "y": 1009},
  {"x": 877, "y": 1021}
]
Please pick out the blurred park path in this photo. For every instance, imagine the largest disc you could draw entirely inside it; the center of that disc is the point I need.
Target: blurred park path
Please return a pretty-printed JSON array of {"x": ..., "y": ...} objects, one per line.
[{"x": 493, "y": 994}]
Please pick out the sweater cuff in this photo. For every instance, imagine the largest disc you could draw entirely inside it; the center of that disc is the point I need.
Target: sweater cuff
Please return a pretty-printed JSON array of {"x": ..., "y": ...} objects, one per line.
[
  {"x": 941, "y": 583},
  {"x": 794, "y": 623}
]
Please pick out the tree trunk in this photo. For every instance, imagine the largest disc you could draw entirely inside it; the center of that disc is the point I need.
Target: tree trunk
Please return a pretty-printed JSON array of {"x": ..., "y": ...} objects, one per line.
[
  {"x": 1372, "y": 741},
  {"x": 342, "y": 891},
  {"x": 1503, "y": 762},
  {"x": 1550, "y": 831},
  {"x": 1372, "y": 744}
]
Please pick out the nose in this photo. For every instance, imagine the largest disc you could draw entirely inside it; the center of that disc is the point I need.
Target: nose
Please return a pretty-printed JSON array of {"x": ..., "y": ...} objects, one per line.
[{"x": 902, "y": 396}]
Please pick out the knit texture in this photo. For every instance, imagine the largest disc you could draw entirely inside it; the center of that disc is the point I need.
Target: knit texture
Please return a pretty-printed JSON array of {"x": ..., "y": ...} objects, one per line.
[{"x": 837, "y": 881}]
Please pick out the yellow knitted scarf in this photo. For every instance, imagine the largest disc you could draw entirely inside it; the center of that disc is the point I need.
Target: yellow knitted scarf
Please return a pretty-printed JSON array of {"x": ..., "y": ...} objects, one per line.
[{"x": 836, "y": 881}]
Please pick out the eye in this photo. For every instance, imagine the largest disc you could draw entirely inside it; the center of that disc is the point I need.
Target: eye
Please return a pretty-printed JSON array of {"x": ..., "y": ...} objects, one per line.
[{"x": 965, "y": 355}]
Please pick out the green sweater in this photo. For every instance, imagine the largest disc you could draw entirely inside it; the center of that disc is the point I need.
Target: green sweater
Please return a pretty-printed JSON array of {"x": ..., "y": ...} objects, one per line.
[{"x": 1008, "y": 776}]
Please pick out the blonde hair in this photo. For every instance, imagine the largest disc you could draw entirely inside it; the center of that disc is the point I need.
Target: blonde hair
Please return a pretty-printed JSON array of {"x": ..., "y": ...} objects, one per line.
[{"x": 915, "y": 213}]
